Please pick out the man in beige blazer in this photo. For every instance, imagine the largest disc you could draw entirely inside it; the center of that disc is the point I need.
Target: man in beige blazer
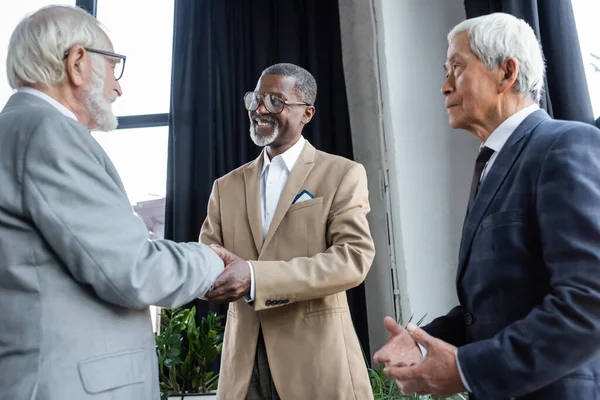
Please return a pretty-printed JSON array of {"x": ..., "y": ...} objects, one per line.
[{"x": 299, "y": 216}]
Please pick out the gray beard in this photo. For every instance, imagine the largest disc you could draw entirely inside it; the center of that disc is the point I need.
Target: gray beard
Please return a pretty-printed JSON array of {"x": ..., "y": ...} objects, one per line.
[
  {"x": 100, "y": 108},
  {"x": 262, "y": 141}
]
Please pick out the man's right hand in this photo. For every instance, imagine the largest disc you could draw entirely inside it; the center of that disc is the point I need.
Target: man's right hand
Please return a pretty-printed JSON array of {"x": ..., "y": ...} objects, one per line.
[
  {"x": 400, "y": 349},
  {"x": 234, "y": 282}
]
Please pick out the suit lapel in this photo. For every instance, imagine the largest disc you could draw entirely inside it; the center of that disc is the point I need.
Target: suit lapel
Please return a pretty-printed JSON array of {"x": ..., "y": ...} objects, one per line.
[
  {"x": 252, "y": 185},
  {"x": 492, "y": 182},
  {"x": 293, "y": 186}
]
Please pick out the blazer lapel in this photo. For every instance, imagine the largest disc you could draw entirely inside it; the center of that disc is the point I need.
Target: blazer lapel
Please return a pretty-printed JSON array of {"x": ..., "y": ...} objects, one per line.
[
  {"x": 492, "y": 182},
  {"x": 252, "y": 185},
  {"x": 293, "y": 186}
]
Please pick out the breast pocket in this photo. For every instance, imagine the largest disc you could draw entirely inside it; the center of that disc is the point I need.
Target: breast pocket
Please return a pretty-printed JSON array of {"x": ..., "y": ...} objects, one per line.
[
  {"x": 503, "y": 235},
  {"x": 305, "y": 204},
  {"x": 306, "y": 224}
]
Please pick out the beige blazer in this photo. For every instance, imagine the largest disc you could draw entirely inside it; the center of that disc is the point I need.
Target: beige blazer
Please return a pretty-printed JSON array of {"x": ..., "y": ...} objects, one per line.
[{"x": 314, "y": 251}]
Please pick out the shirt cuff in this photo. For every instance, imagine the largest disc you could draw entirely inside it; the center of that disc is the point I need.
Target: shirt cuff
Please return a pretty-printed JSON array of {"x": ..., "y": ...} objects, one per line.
[
  {"x": 462, "y": 377},
  {"x": 250, "y": 297},
  {"x": 423, "y": 350}
]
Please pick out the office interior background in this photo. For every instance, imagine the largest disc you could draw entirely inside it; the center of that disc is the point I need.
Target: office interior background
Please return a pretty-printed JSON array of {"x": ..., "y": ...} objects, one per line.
[{"x": 378, "y": 64}]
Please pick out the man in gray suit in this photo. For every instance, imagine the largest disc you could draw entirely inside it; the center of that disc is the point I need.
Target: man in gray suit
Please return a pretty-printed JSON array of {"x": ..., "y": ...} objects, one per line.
[{"x": 77, "y": 271}]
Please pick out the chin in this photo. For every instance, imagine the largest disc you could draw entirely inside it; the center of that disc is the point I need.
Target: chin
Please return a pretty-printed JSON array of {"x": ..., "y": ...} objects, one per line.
[{"x": 263, "y": 141}]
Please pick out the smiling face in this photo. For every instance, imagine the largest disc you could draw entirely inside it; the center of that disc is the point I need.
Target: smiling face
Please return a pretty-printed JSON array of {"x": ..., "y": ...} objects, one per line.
[
  {"x": 471, "y": 90},
  {"x": 278, "y": 131}
]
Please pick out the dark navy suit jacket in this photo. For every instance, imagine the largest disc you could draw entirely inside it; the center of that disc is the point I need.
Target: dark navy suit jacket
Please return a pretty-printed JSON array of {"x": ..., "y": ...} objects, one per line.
[{"x": 528, "y": 280}]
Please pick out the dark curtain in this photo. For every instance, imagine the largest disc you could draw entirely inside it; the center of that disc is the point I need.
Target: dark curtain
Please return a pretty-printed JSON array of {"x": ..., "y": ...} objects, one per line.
[
  {"x": 220, "y": 48},
  {"x": 566, "y": 92}
]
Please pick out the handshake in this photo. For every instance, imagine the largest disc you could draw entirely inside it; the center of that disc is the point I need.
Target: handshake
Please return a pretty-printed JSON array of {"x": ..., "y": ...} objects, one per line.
[{"x": 234, "y": 282}]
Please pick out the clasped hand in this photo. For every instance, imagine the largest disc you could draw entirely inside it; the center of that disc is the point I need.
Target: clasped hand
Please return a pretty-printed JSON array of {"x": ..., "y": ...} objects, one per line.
[
  {"x": 435, "y": 374},
  {"x": 234, "y": 282}
]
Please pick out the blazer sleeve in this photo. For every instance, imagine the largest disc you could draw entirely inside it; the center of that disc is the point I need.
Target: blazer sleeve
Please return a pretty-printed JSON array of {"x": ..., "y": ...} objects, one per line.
[
  {"x": 449, "y": 328},
  {"x": 83, "y": 213},
  {"x": 561, "y": 333},
  {"x": 211, "y": 232},
  {"x": 342, "y": 266}
]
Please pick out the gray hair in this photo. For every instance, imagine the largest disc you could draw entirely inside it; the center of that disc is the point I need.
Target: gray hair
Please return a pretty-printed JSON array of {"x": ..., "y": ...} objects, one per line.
[
  {"x": 306, "y": 85},
  {"x": 38, "y": 44},
  {"x": 496, "y": 37}
]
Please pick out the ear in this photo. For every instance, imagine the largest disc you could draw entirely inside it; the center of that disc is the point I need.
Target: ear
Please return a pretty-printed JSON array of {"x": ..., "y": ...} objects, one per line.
[
  {"x": 508, "y": 73},
  {"x": 77, "y": 66},
  {"x": 308, "y": 114}
]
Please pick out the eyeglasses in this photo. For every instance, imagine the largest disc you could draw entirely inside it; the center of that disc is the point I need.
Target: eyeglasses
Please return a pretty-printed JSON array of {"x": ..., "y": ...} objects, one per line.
[
  {"x": 273, "y": 103},
  {"x": 119, "y": 64}
]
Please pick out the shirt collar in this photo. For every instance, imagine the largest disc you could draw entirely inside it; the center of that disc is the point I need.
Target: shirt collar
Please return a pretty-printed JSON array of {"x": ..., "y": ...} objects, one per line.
[
  {"x": 290, "y": 156},
  {"x": 64, "y": 110},
  {"x": 501, "y": 134}
]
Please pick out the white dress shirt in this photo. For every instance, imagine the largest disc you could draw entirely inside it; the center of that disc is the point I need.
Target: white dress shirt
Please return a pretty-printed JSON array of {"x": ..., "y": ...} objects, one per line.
[
  {"x": 501, "y": 134},
  {"x": 273, "y": 177},
  {"x": 64, "y": 110}
]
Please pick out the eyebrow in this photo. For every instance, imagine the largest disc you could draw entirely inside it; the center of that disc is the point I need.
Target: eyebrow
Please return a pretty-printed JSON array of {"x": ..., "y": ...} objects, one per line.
[{"x": 454, "y": 57}]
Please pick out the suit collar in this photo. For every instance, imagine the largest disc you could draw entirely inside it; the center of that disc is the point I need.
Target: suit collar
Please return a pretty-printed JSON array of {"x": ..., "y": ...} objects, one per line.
[
  {"x": 41, "y": 95},
  {"x": 298, "y": 175},
  {"x": 491, "y": 184},
  {"x": 503, "y": 132},
  {"x": 293, "y": 186}
]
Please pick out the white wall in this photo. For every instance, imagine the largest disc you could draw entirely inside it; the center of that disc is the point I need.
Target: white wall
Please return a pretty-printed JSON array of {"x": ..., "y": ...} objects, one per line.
[
  {"x": 394, "y": 51},
  {"x": 430, "y": 163}
]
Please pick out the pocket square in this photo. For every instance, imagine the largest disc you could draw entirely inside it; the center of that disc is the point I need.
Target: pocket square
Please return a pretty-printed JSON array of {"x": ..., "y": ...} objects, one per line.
[{"x": 303, "y": 196}]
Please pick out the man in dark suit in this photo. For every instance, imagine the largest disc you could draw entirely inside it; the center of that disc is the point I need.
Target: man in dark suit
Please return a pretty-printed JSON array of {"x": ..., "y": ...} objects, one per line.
[{"x": 528, "y": 280}]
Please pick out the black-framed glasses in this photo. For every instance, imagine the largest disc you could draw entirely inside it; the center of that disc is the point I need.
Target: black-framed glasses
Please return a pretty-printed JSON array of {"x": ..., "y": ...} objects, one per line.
[
  {"x": 273, "y": 102},
  {"x": 119, "y": 63}
]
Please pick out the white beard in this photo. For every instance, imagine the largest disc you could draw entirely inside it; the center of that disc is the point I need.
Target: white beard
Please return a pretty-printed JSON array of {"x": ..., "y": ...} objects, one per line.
[
  {"x": 100, "y": 109},
  {"x": 262, "y": 141}
]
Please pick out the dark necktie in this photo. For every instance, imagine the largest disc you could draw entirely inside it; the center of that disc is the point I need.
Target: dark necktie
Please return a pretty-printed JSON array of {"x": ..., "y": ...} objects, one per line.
[{"x": 484, "y": 156}]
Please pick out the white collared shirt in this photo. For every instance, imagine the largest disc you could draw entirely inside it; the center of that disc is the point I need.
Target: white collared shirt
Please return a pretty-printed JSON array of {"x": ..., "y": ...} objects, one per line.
[
  {"x": 273, "y": 178},
  {"x": 501, "y": 134},
  {"x": 64, "y": 110}
]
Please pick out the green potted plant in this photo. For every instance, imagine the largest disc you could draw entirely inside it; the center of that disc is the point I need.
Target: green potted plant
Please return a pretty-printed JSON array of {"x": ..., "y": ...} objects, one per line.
[
  {"x": 385, "y": 388},
  {"x": 186, "y": 352}
]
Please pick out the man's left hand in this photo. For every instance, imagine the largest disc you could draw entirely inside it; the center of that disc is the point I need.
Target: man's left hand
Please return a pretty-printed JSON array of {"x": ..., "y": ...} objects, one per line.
[
  {"x": 436, "y": 375},
  {"x": 234, "y": 282}
]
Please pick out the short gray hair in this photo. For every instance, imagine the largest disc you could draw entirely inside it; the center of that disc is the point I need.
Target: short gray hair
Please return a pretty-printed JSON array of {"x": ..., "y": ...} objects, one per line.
[
  {"x": 306, "y": 85},
  {"x": 496, "y": 37},
  {"x": 38, "y": 44}
]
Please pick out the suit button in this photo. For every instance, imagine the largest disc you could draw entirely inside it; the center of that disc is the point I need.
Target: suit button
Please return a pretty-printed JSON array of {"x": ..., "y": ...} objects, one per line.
[{"x": 468, "y": 318}]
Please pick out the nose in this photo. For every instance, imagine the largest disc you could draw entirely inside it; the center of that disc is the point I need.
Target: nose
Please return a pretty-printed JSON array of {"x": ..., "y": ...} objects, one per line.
[
  {"x": 447, "y": 87},
  {"x": 118, "y": 89},
  {"x": 261, "y": 108}
]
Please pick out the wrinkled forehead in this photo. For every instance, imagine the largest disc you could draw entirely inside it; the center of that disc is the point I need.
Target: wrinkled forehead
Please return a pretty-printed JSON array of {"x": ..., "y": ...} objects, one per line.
[{"x": 459, "y": 49}]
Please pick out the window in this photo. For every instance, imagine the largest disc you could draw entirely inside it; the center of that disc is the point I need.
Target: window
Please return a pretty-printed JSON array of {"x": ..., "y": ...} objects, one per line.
[
  {"x": 9, "y": 19},
  {"x": 586, "y": 16},
  {"x": 138, "y": 148}
]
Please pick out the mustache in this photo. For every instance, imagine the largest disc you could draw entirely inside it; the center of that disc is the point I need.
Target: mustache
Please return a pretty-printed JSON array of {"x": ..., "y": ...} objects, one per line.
[{"x": 264, "y": 118}]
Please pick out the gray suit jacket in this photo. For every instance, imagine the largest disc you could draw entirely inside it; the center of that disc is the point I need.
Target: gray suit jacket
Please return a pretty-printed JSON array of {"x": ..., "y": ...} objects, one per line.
[{"x": 77, "y": 271}]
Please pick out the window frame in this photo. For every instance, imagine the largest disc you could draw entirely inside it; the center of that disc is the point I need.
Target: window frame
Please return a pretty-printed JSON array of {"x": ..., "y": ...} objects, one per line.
[{"x": 128, "y": 121}]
